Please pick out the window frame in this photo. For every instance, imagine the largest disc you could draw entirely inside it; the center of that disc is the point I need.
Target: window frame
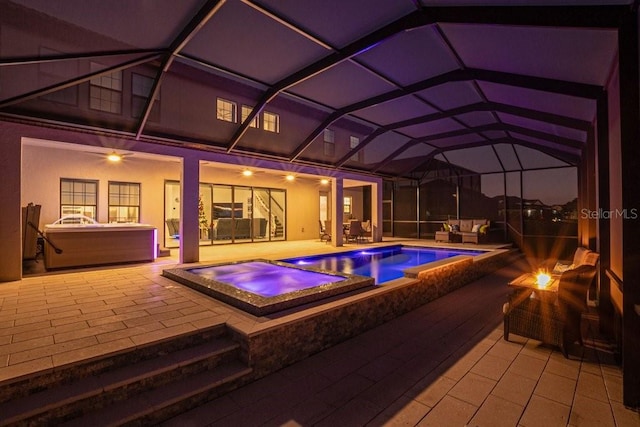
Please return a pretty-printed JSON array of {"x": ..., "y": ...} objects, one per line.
[
  {"x": 121, "y": 205},
  {"x": 347, "y": 204},
  {"x": 154, "y": 113},
  {"x": 354, "y": 141},
  {"x": 267, "y": 123},
  {"x": 102, "y": 85},
  {"x": 329, "y": 142},
  {"x": 78, "y": 208},
  {"x": 245, "y": 110},
  {"x": 226, "y": 110}
]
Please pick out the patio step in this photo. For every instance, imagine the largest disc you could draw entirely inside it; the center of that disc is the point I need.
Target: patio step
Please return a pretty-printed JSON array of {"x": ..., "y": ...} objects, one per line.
[{"x": 143, "y": 386}]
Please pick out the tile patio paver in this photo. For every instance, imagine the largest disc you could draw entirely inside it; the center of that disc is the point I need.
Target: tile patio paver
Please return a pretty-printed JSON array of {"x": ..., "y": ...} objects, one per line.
[{"x": 437, "y": 365}]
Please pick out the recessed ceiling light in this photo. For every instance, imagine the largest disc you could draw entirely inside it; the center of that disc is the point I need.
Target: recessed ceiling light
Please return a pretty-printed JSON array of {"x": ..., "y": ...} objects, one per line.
[
  {"x": 324, "y": 181},
  {"x": 290, "y": 177},
  {"x": 114, "y": 157},
  {"x": 247, "y": 172}
]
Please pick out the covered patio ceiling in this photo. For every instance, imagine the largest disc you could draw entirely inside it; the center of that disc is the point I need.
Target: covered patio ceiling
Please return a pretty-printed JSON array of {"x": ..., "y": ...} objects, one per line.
[{"x": 484, "y": 85}]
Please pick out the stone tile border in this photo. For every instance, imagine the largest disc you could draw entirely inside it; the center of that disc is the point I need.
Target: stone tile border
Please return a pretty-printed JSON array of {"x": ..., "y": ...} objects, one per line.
[{"x": 281, "y": 341}]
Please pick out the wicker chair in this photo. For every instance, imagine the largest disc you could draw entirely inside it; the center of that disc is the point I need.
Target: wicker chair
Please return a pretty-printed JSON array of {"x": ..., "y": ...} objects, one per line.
[
  {"x": 325, "y": 231},
  {"x": 555, "y": 322},
  {"x": 355, "y": 232}
]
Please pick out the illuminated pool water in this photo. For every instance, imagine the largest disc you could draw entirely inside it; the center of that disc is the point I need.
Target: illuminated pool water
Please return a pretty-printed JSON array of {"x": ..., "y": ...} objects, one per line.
[
  {"x": 265, "y": 279},
  {"x": 262, "y": 287},
  {"x": 383, "y": 264}
]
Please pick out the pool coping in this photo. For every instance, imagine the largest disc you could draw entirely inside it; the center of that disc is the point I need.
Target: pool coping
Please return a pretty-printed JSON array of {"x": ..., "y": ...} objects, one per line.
[{"x": 259, "y": 305}]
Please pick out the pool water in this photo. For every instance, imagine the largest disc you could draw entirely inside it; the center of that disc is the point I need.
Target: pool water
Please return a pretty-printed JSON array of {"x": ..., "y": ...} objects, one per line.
[
  {"x": 383, "y": 264},
  {"x": 262, "y": 287},
  {"x": 265, "y": 279}
]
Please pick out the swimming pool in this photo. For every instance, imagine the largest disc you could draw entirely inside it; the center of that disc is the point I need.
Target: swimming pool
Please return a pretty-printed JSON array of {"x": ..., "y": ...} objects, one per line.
[
  {"x": 262, "y": 287},
  {"x": 383, "y": 264}
]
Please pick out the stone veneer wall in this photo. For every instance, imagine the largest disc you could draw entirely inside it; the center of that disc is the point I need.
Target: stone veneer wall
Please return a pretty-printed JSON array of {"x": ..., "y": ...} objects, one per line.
[{"x": 302, "y": 335}]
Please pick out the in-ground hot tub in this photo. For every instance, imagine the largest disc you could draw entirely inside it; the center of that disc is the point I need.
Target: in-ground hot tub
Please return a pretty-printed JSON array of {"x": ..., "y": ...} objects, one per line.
[
  {"x": 91, "y": 243},
  {"x": 262, "y": 287}
]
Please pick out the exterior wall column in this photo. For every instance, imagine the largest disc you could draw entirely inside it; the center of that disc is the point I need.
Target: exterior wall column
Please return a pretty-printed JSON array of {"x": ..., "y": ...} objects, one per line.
[
  {"x": 605, "y": 306},
  {"x": 376, "y": 211},
  {"x": 629, "y": 57},
  {"x": 11, "y": 218},
  {"x": 337, "y": 211},
  {"x": 189, "y": 191}
]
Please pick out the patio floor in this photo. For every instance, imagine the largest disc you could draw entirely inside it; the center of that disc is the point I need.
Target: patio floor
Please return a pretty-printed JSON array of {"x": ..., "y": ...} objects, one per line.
[{"x": 442, "y": 364}]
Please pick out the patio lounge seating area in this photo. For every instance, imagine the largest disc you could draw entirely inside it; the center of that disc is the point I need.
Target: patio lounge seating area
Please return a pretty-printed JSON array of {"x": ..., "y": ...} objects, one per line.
[
  {"x": 464, "y": 231},
  {"x": 554, "y": 317}
]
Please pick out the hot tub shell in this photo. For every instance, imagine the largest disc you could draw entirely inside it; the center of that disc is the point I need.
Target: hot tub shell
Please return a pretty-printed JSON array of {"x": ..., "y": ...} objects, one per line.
[{"x": 97, "y": 244}]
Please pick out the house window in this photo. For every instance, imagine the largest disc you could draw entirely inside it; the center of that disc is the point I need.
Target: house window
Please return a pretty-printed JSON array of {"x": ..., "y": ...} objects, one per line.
[
  {"x": 105, "y": 91},
  {"x": 140, "y": 90},
  {"x": 225, "y": 110},
  {"x": 354, "y": 141},
  {"x": 271, "y": 122},
  {"x": 78, "y": 198},
  {"x": 55, "y": 72},
  {"x": 245, "y": 113},
  {"x": 329, "y": 138},
  {"x": 124, "y": 202},
  {"x": 347, "y": 205}
]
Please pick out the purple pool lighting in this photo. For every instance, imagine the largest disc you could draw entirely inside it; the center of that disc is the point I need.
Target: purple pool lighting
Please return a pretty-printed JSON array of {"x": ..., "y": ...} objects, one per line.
[
  {"x": 383, "y": 263},
  {"x": 262, "y": 278},
  {"x": 262, "y": 287}
]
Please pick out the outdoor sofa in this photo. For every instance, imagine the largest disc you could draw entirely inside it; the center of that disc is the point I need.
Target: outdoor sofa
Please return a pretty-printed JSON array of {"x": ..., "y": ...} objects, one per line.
[{"x": 464, "y": 230}]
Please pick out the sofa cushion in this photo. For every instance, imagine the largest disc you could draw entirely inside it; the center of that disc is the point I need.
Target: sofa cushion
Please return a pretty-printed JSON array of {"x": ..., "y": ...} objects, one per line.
[
  {"x": 580, "y": 255},
  {"x": 591, "y": 258},
  {"x": 466, "y": 225},
  {"x": 475, "y": 228}
]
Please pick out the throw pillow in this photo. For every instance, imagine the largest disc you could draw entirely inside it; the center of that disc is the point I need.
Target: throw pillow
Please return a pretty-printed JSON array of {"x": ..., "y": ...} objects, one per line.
[
  {"x": 475, "y": 228},
  {"x": 455, "y": 228},
  {"x": 560, "y": 267},
  {"x": 446, "y": 227},
  {"x": 483, "y": 229}
]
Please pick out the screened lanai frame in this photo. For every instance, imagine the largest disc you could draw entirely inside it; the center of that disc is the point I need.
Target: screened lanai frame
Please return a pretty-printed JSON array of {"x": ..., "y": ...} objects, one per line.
[
  {"x": 505, "y": 187},
  {"x": 551, "y": 88},
  {"x": 348, "y": 80}
]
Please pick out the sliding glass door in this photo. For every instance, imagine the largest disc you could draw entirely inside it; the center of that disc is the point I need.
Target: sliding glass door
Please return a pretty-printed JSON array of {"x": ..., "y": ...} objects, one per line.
[{"x": 229, "y": 214}]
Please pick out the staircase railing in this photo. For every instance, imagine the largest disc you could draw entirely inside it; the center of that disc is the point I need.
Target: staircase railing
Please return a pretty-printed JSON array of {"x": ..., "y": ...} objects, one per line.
[{"x": 264, "y": 209}]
